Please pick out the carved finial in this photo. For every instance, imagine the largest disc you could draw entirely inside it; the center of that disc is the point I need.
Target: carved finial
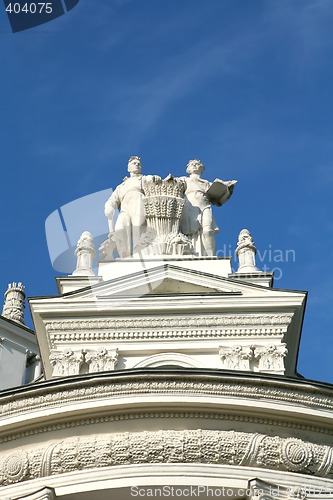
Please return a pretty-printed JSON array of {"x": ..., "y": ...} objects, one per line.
[
  {"x": 14, "y": 302},
  {"x": 246, "y": 252},
  {"x": 85, "y": 254}
]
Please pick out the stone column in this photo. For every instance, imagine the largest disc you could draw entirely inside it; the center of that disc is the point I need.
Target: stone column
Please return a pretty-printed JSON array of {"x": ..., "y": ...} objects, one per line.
[{"x": 14, "y": 303}]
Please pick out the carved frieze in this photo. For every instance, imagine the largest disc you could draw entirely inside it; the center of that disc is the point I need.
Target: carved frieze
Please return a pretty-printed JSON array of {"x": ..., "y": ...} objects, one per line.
[
  {"x": 171, "y": 321},
  {"x": 240, "y": 449},
  {"x": 113, "y": 387},
  {"x": 15, "y": 467},
  {"x": 167, "y": 327}
]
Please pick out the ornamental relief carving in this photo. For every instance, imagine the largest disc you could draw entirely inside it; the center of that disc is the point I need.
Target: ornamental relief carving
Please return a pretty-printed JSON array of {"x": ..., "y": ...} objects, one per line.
[
  {"x": 68, "y": 362},
  {"x": 107, "y": 387},
  {"x": 236, "y": 357},
  {"x": 269, "y": 358},
  {"x": 125, "y": 324},
  {"x": 140, "y": 329},
  {"x": 101, "y": 360},
  {"x": 119, "y": 335},
  {"x": 166, "y": 446}
]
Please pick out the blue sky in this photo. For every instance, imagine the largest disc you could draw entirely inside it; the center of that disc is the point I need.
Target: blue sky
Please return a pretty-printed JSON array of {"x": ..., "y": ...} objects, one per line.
[{"x": 246, "y": 86}]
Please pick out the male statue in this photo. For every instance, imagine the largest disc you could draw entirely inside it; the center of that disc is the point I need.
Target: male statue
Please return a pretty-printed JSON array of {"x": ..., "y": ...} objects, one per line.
[
  {"x": 128, "y": 197},
  {"x": 197, "y": 221}
]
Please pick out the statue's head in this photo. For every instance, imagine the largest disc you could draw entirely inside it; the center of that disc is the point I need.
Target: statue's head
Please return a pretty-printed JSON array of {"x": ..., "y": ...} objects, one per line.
[
  {"x": 134, "y": 165},
  {"x": 194, "y": 167}
]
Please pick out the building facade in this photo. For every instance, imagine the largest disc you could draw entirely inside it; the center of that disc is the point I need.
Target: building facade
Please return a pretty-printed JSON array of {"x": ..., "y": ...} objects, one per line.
[{"x": 166, "y": 374}]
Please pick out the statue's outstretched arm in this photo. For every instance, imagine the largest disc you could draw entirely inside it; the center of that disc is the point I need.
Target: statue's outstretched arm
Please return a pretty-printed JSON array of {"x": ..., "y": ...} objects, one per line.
[
  {"x": 154, "y": 178},
  {"x": 110, "y": 208}
]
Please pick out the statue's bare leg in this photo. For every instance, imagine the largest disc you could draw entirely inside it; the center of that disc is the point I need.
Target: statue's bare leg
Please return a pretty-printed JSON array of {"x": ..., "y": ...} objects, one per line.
[
  {"x": 122, "y": 236},
  {"x": 136, "y": 235},
  {"x": 138, "y": 224},
  {"x": 208, "y": 232},
  {"x": 208, "y": 240}
]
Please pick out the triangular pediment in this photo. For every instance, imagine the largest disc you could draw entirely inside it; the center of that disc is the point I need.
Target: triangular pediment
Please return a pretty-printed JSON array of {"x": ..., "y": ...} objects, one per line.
[
  {"x": 163, "y": 280},
  {"x": 169, "y": 285},
  {"x": 170, "y": 280}
]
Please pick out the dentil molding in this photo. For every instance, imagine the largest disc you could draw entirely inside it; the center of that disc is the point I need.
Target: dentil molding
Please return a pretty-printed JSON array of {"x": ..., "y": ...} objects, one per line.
[{"x": 143, "y": 328}]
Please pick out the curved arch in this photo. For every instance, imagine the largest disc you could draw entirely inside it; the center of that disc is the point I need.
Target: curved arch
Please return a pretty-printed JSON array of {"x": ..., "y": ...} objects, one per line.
[{"x": 170, "y": 358}]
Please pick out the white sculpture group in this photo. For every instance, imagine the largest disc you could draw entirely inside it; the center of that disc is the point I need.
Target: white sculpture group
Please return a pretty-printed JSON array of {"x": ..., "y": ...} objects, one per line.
[
  {"x": 171, "y": 216},
  {"x": 156, "y": 217}
]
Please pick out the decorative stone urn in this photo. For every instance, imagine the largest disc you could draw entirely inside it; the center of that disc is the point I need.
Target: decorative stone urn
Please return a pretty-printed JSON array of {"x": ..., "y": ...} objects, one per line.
[{"x": 163, "y": 206}]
